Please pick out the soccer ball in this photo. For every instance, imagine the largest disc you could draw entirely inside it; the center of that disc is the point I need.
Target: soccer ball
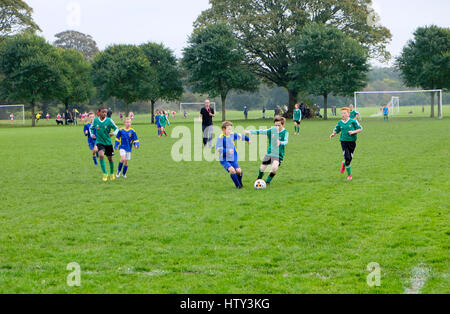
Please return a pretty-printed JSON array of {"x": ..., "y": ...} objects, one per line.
[{"x": 260, "y": 185}]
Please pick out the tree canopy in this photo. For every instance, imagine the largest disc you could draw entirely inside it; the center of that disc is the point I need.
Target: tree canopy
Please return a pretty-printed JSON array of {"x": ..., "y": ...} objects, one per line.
[
  {"x": 425, "y": 60},
  {"x": 16, "y": 17},
  {"x": 78, "y": 74},
  {"x": 169, "y": 86},
  {"x": 215, "y": 63},
  {"x": 78, "y": 41},
  {"x": 124, "y": 72},
  {"x": 328, "y": 61},
  {"x": 266, "y": 28},
  {"x": 31, "y": 70}
]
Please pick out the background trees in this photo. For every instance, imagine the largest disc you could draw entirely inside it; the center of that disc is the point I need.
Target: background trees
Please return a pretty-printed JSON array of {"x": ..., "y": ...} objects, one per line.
[
  {"x": 169, "y": 86},
  {"x": 327, "y": 61},
  {"x": 266, "y": 28},
  {"x": 425, "y": 60},
  {"x": 78, "y": 41},
  {"x": 123, "y": 71},
  {"x": 214, "y": 62},
  {"x": 31, "y": 70},
  {"x": 78, "y": 77},
  {"x": 15, "y": 17}
]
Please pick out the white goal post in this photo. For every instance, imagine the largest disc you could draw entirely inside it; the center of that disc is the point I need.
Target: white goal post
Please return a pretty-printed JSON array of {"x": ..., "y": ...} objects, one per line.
[
  {"x": 9, "y": 111},
  {"x": 439, "y": 91},
  {"x": 197, "y": 105}
]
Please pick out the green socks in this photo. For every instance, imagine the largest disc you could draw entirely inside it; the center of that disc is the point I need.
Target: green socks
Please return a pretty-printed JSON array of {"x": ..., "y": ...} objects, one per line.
[
  {"x": 102, "y": 164},
  {"x": 260, "y": 175},
  {"x": 270, "y": 178},
  {"x": 297, "y": 129},
  {"x": 349, "y": 170},
  {"x": 111, "y": 167}
]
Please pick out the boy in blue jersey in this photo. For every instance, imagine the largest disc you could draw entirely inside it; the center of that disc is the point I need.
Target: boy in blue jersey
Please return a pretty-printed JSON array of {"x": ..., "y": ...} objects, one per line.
[
  {"x": 125, "y": 140},
  {"x": 91, "y": 142},
  {"x": 158, "y": 125},
  {"x": 228, "y": 154},
  {"x": 386, "y": 113}
]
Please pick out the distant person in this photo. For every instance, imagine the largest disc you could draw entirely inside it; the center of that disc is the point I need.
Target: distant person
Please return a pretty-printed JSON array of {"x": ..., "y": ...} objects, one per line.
[
  {"x": 47, "y": 116},
  {"x": 173, "y": 115},
  {"x": 11, "y": 116},
  {"x": 121, "y": 116},
  {"x": 386, "y": 113},
  {"x": 131, "y": 116},
  {"x": 109, "y": 113},
  {"x": 206, "y": 116},
  {"x": 423, "y": 109},
  {"x": 246, "y": 112},
  {"x": 353, "y": 113},
  {"x": 38, "y": 117},
  {"x": 185, "y": 114},
  {"x": 264, "y": 112},
  {"x": 297, "y": 119}
]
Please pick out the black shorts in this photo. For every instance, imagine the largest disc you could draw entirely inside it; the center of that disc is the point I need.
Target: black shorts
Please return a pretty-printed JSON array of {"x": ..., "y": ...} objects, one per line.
[
  {"x": 268, "y": 160},
  {"x": 108, "y": 149},
  {"x": 298, "y": 121}
]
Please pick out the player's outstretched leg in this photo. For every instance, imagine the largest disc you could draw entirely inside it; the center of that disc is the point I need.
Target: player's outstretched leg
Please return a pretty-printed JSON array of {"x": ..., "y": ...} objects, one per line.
[
  {"x": 273, "y": 172},
  {"x": 240, "y": 175},
  {"x": 125, "y": 169},
  {"x": 234, "y": 177},
  {"x": 103, "y": 165},
  {"x": 111, "y": 168}
]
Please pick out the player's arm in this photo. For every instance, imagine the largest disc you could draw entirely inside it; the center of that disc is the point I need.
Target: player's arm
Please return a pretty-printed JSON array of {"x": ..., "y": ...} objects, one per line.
[
  {"x": 118, "y": 140},
  {"x": 286, "y": 141},
  {"x": 358, "y": 128},
  {"x": 86, "y": 131},
  {"x": 91, "y": 130},
  {"x": 115, "y": 128},
  {"x": 136, "y": 140},
  {"x": 337, "y": 130}
]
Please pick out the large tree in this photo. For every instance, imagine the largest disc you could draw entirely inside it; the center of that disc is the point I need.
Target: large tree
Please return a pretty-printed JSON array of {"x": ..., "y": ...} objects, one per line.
[
  {"x": 78, "y": 41},
  {"x": 328, "y": 61},
  {"x": 124, "y": 72},
  {"x": 425, "y": 60},
  {"x": 169, "y": 86},
  {"x": 15, "y": 17},
  {"x": 78, "y": 73},
  {"x": 31, "y": 71},
  {"x": 267, "y": 27},
  {"x": 215, "y": 63}
]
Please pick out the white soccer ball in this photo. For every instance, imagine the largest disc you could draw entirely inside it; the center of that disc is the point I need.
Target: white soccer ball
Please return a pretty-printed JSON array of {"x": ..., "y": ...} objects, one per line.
[{"x": 260, "y": 185}]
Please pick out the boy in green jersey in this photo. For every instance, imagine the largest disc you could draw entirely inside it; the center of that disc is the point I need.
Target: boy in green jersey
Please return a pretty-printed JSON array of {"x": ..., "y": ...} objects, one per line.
[
  {"x": 103, "y": 127},
  {"x": 297, "y": 119},
  {"x": 349, "y": 129},
  {"x": 163, "y": 122},
  {"x": 278, "y": 140},
  {"x": 353, "y": 113}
]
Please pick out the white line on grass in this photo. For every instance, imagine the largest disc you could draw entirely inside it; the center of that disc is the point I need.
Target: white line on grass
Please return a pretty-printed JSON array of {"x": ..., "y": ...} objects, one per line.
[{"x": 418, "y": 279}]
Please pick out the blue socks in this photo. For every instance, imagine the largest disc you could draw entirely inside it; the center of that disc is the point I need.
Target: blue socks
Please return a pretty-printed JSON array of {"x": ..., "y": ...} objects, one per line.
[
  {"x": 120, "y": 167},
  {"x": 125, "y": 169},
  {"x": 95, "y": 160},
  {"x": 235, "y": 179}
]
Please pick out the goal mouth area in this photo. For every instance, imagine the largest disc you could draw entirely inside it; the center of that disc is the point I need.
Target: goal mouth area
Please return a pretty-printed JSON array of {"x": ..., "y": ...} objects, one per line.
[
  {"x": 399, "y": 101},
  {"x": 12, "y": 114}
]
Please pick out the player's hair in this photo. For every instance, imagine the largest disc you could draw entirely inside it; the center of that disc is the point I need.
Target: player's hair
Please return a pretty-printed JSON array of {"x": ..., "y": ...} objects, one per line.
[
  {"x": 280, "y": 119},
  {"x": 91, "y": 114},
  {"x": 226, "y": 124},
  {"x": 346, "y": 109}
]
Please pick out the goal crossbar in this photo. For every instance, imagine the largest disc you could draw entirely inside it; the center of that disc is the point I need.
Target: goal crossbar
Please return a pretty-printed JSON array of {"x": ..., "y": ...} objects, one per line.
[
  {"x": 23, "y": 110},
  {"x": 405, "y": 92}
]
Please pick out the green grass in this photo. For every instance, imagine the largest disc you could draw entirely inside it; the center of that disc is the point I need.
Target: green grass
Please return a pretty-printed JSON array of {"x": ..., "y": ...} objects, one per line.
[{"x": 182, "y": 228}]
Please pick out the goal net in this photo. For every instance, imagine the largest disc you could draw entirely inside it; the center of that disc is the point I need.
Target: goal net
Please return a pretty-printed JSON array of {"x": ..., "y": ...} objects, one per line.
[
  {"x": 12, "y": 114},
  {"x": 400, "y": 103}
]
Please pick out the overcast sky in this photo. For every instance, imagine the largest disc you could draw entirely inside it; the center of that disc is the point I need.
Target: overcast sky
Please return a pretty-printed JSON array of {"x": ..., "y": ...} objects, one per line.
[{"x": 170, "y": 21}]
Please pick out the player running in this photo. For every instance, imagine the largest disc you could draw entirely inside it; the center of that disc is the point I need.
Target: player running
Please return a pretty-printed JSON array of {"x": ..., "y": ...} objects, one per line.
[
  {"x": 353, "y": 113},
  {"x": 91, "y": 142},
  {"x": 103, "y": 127},
  {"x": 228, "y": 154},
  {"x": 158, "y": 125},
  {"x": 125, "y": 140},
  {"x": 349, "y": 129},
  {"x": 297, "y": 119},
  {"x": 278, "y": 140},
  {"x": 163, "y": 122}
]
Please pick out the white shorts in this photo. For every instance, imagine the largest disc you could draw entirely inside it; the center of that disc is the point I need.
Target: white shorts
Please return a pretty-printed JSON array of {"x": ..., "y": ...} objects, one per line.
[{"x": 124, "y": 153}]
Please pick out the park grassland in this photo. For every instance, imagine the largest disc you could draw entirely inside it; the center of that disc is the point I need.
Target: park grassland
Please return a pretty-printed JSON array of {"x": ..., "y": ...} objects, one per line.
[{"x": 182, "y": 228}]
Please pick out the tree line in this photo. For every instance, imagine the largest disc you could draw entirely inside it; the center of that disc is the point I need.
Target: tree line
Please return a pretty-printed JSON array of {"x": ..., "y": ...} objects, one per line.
[{"x": 306, "y": 47}]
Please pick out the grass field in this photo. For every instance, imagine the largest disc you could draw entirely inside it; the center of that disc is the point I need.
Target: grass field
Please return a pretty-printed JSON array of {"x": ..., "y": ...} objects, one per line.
[{"x": 182, "y": 228}]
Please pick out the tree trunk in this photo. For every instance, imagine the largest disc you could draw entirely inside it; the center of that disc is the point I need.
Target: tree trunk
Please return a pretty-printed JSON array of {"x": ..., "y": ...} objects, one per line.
[
  {"x": 33, "y": 114},
  {"x": 293, "y": 97},
  {"x": 127, "y": 112},
  {"x": 224, "y": 112},
  {"x": 432, "y": 105},
  {"x": 325, "y": 106},
  {"x": 153, "y": 112}
]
